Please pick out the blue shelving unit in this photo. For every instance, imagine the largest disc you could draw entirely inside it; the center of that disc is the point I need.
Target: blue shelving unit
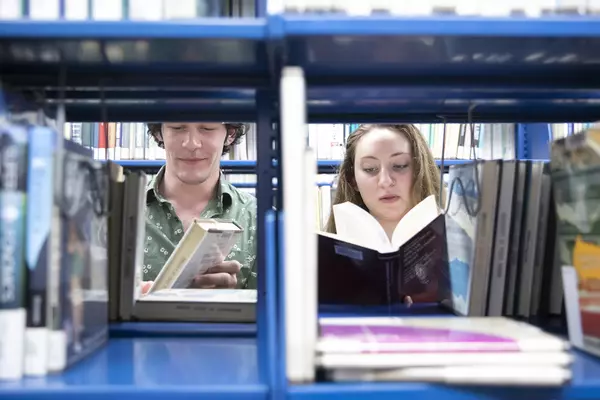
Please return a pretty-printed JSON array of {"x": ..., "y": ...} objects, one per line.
[
  {"x": 358, "y": 69},
  {"x": 248, "y": 167},
  {"x": 155, "y": 368}
]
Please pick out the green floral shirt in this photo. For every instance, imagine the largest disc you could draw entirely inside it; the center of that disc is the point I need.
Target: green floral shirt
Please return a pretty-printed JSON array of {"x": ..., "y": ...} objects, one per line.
[{"x": 164, "y": 229}]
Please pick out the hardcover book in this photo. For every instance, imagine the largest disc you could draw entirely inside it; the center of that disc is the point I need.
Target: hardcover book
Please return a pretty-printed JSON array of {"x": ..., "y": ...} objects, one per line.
[{"x": 360, "y": 265}]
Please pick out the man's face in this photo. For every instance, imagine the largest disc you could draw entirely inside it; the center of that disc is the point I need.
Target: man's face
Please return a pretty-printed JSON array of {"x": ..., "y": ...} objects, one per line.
[{"x": 193, "y": 150}]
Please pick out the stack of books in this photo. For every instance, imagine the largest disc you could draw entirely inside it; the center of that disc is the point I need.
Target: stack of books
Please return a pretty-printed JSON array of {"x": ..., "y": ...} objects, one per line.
[{"x": 453, "y": 350}]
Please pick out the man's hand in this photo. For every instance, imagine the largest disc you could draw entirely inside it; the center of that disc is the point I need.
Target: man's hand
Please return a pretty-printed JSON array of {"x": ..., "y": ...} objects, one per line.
[
  {"x": 146, "y": 285},
  {"x": 222, "y": 276}
]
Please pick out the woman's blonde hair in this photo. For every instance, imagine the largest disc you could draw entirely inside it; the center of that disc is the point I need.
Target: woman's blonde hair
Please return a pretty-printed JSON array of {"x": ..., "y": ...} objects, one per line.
[{"x": 426, "y": 175}]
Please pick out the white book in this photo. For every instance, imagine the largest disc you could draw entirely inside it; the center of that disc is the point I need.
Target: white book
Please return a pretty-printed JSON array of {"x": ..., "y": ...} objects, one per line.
[
  {"x": 77, "y": 9},
  {"x": 44, "y": 9},
  {"x": 383, "y": 361},
  {"x": 294, "y": 133},
  {"x": 11, "y": 9},
  {"x": 180, "y": 9},
  {"x": 513, "y": 375},
  {"x": 355, "y": 225},
  {"x": 107, "y": 10},
  {"x": 198, "y": 305},
  {"x": 146, "y": 10}
]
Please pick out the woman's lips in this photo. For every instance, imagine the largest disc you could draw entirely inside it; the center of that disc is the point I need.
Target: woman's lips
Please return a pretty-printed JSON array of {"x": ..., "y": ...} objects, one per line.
[{"x": 389, "y": 198}]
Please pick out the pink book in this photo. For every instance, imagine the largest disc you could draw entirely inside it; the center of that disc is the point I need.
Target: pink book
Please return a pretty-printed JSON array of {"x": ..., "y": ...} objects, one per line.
[{"x": 433, "y": 335}]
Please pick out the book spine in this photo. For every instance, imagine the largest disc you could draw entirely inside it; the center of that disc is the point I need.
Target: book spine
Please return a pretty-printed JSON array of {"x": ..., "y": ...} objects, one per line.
[
  {"x": 13, "y": 177},
  {"x": 56, "y": 337},
  {"x": 503, "y": 217},
  {"x": 540, "y": 246},
  {"x": 40, "y": 184},
  {"x": 515, "y": 239},
  {"x": 530, "y": 240},
  {"x": 485, "y": 237}
]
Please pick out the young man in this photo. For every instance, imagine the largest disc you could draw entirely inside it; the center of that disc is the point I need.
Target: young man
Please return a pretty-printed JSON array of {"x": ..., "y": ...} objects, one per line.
[{"x": 190, "y": 185}]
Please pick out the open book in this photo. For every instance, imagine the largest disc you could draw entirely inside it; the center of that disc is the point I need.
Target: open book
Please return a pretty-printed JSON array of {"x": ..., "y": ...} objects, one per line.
[
  {"x": 205, "y": 244},
  {"x": 361, "y": 265}
]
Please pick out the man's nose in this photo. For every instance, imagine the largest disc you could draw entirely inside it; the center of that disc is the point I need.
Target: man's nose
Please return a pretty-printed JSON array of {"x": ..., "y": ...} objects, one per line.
[{"x": 192, "y": 140}]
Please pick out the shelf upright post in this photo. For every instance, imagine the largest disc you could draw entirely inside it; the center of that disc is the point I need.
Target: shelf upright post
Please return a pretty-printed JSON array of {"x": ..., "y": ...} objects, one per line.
[
  {"x": 441, "y": 199},
  {"x": 536, "y": 139},
  {"x": 267, "y": 272},
  {"x": 522, "y": 148}
]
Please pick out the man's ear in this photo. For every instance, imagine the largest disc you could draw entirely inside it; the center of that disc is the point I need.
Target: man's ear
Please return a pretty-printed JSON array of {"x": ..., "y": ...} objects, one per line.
[{"x": 230, "y": 137}]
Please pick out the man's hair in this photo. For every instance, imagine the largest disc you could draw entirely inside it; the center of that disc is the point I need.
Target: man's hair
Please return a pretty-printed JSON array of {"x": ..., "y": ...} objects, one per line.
[{"x": 234, "y": 130}]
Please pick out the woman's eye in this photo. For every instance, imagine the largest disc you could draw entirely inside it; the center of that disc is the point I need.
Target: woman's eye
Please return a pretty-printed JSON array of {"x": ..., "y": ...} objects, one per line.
[
  {"x": 176, "y": 128},
  {"x": 400, "y": 167},
  {"x": 370, "y": 170}
]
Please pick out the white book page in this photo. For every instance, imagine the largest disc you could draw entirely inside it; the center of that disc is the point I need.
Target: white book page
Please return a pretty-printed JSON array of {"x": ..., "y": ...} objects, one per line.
[
  {"x": 415, "y": 220},
  {"x": 355, "y": 225}
]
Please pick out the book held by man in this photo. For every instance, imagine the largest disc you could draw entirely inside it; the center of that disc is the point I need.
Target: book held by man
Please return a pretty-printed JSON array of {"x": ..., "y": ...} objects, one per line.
[
  {"x": 361, "y": 265},
  {"x": 204, "y": 245}
]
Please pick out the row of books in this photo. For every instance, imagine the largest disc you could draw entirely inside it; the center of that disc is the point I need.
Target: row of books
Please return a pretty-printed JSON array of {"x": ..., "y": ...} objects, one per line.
[
  {"x": 53, "y": 306},
  {"x": 125, "y": 141},
  {"x": 535, "y": 8},
  {"x": 110, "y": 10},
  {"x": 131, "y": 141}
]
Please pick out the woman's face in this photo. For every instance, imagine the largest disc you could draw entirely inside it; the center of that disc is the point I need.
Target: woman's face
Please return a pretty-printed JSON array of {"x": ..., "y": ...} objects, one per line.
[{"x": 383, "y": 172}]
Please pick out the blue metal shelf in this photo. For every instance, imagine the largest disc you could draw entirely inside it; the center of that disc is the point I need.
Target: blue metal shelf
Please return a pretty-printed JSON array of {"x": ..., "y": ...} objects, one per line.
[
  {"x": 451, "y": 51},
  {"x": 331, "y": 105},
  {"x": 447, "y": 25},
  {"x": 161, "y": 329},
  {"x": 585, "y": 385},
  {"x": 418, "y": 69},
  {"x": 153, "y": 368},
  {"x": 200, "y": 28},
  {"x": 210, "y": 52},
  {"x": 242, "y": 164}
]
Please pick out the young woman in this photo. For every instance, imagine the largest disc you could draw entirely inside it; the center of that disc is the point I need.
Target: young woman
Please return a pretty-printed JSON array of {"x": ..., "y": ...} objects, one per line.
[{"x": 387, "y": 170}]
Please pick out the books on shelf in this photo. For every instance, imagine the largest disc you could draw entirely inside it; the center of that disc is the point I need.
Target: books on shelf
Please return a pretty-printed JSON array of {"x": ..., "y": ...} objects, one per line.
[
  {"x": 54, "y": 243},
  {"x": 575, "y": 166},
  {"x": 441, "y": 349},
  {"x": 109, "y": 10},
  {"x": 374, "y": 269}
]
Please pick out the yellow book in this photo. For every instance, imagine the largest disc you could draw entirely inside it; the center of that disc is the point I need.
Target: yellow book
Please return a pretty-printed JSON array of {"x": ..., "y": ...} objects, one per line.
[{"x": 205, "y": 244}]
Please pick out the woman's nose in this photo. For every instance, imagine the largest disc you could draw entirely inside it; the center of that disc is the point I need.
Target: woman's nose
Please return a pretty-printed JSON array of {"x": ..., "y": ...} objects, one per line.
[{"x": 385, "y": 179}]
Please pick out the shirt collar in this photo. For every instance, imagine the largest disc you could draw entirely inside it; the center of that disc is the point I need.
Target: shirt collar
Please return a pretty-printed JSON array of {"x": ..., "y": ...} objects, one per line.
[{"x": 223, "y": 196}]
